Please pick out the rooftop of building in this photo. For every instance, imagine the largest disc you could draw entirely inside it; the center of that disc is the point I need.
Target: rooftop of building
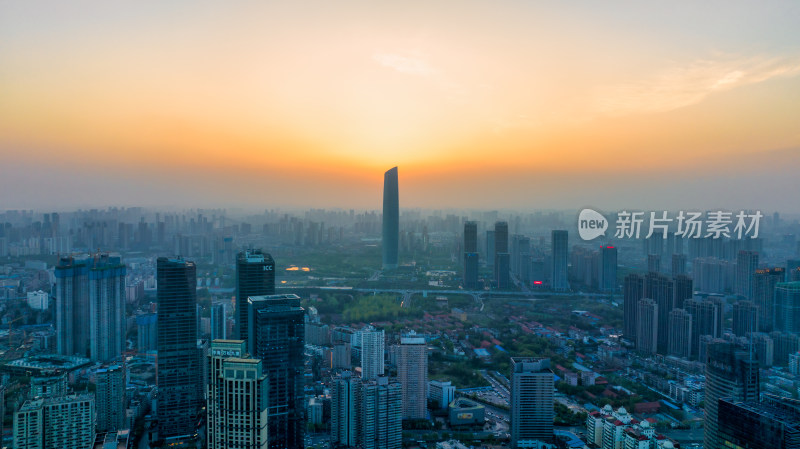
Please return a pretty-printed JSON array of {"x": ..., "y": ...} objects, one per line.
[
  {"x": 530, "y": 364},
  {"x": 112, "y": 440},
  {"x": 47, "y": 362},
  {"x": 778, "y": 408},
  {"x": 282, "y": 296},
  {"x": 464, "y": 403}
]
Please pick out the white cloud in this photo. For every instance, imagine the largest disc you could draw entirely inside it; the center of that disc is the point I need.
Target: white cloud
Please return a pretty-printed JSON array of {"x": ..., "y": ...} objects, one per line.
[{"x": 684, "y": 86}]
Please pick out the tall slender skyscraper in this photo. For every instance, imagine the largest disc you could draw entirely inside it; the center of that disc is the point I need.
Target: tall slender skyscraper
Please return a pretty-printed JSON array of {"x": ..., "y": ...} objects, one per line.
[
  {"x": 531, "y": 401},
  {"x": 178, "y": 374},
  {"x": 412, "y": 372},
  {"x": 490, "y": 248},
  {"x": 255, "y": 276},
  {"x": 746, "y": 265},
  {"x": 218, "y": 322},
  {"x": 647, "y": 326},
  {"x": 732, "y": 374},
  {"x": 372, "y": 353},
  {"x": 683, "y": 289},
  {"x": 391, "y": 219},
  {"x": 502, "y": 258},
  {"x": 276, "y": 337},
  {"x": 470, "y": 237},
  {"x": 470, "y": 255},
  {"x": 607, "y": 279},
  {"x": 343, "y": 410},
  {"x": 662, "y": 290},
  {"x": 560, "y": 250},
  {"x": 633, "y": 291},
  {"x": 501, "y": 237},
  {"x": 237, "y": 398}
]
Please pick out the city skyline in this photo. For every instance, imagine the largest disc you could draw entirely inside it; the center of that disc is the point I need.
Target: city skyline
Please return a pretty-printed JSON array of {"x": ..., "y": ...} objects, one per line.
[
  {"x": 584, "y": 235},
  {"x": 408, "y": 338},
  {"x": 691, "y": 104}
]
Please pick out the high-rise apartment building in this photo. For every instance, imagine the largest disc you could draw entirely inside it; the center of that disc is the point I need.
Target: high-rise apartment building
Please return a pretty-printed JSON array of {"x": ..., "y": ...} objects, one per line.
[
  {"x": 712, "y": 275},
  {"x": 746, "y": 265},
  {"x": 661, "y": 289},
  {"x": 276, "y": 337},
  {"x": 678, "y": 264},
  {"x": 343, "y": 410},
  {"x": 654, "y": 263},
  {"x": 106, "y": 307},
  {"x": 531, "y": 401},
  {"x": 90, "y": 307},
  {"x": 706, "y": 320},
  {"x": 683, "y": 289},
  {"x": 147, "y": 335},
  {"x": 379, "y": 414},
  {"x": 680, "y": 333},
  {"x": 633, "y": 291},
  {"x": 412, "y": 372},
  {"x": 372, "y": 352},
  {"x": 647, "y": 326},
  {"x": 111, "y": 398},
  {"x": 72, "y": 306},
  {"x": 65, "y": 422}
]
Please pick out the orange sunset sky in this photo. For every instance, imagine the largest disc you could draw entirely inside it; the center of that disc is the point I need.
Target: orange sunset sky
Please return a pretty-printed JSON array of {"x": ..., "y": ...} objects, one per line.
[{"x": 502, "y": 104}]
